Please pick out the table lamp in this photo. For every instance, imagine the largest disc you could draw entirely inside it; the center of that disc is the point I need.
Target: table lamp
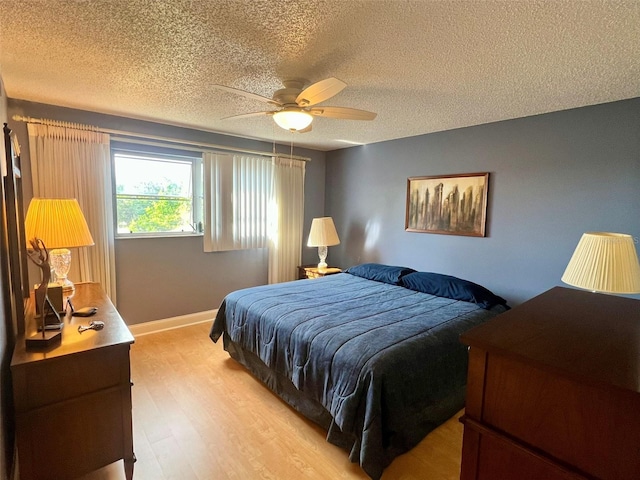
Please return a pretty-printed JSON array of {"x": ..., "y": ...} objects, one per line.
[
  {"x": 60, "y": 224},
  {"x": 604, "y": 262},
  {"x": 322, "y": 235}
]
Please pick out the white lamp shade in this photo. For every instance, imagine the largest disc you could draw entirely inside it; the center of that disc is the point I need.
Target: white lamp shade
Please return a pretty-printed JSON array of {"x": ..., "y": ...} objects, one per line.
[
  {"x": 604, "y": 262},
  {"x": 323, "y": 233},
  {"x": 58, "y": 222},
  {"x": 293, "y": 119}
]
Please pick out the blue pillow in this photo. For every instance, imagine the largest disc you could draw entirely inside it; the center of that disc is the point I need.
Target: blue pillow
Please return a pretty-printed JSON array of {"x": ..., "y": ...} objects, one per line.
[
  {"x": 379, "y": 272},
  {"x": 451, "y": 287}
]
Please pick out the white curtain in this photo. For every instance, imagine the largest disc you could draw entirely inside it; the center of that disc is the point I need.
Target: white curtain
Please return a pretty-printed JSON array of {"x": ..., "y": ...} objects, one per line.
[
  {"x": 286, "y": 219},
  {"x": 254, "y": 202},
  {"x": 74, "y": 163},
  {"x": 236, "y": 192}
]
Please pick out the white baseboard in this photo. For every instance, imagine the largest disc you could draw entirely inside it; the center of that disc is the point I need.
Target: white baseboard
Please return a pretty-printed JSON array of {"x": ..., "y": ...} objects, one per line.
[{"x": 139, "y": 329}]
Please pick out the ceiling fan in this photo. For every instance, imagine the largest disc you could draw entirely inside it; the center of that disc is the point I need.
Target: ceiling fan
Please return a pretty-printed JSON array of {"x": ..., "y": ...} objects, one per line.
[{"x": 296, "y": 106}]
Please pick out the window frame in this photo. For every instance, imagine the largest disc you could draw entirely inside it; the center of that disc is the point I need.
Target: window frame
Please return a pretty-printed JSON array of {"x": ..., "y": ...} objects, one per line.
[{"x": 155, "y": 153}]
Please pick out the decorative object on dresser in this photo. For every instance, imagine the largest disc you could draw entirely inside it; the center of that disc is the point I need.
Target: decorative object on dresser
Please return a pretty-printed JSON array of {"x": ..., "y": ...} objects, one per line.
[
  {"x": 73, "y": 402},
  {"x": 60, "y": 224},
  {"x": 604, "y": 262},
  {"x": 39, "y": 255},
  {"x": 448, "y": 204},
  {"x": 552, "y": 390},
  {"x": 312, "y": 271},
  {"x": 322, "y": 235}
]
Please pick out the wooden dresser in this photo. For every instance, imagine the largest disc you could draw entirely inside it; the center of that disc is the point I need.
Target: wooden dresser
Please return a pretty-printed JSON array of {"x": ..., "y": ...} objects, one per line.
[
  {"x": 554, "y": 390},
  {"x": 73, "y": 401}
]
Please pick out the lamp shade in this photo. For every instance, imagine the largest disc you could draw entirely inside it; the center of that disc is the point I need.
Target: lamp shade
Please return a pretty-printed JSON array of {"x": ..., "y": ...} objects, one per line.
[
  {"x": 58, "y": 222},
  {"x": 323, "y": 233},
  {"x": 604, "y": 262},
  {"x": 293, "y": 119}
]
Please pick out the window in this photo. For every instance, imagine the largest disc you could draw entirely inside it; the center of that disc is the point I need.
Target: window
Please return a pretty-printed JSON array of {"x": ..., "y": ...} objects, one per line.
[{"x": 157, "y": 193}]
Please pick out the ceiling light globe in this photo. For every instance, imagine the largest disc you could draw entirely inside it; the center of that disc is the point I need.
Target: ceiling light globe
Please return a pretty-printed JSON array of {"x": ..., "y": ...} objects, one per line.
[{"x": 293, "y": 119}]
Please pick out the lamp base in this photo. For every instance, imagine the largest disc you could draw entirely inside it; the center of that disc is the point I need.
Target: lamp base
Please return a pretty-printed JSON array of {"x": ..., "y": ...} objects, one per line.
[
  {"x": 322, "y": 256},
  {"x": 60, "y": 259},
  {"x": 45, "y": 339},
  {"x": 68, "y": 288}
]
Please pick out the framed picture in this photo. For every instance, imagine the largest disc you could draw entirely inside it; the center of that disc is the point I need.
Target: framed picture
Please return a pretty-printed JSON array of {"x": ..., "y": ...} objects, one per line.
[{"x": 448, "y": 204}]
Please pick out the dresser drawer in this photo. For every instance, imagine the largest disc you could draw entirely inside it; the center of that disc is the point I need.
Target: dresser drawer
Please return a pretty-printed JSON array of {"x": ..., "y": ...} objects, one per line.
[
  {"x": 69, "y": 439},
  {"x": 490, "y": 456},
  {"x": 590, "y": 428},
  {"x": 56, "y": 380}
]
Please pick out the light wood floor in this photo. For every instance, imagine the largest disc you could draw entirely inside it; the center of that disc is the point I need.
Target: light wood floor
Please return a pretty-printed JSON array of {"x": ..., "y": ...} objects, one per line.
[{"x": 199, "y": 415}]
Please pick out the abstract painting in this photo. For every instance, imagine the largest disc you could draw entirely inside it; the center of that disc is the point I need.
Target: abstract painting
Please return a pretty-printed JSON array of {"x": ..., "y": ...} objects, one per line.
[{"x": 448, "y": 204}]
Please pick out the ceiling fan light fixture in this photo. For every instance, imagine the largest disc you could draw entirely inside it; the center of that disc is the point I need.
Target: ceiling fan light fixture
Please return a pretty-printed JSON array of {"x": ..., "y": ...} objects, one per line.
[{"x": 293, "y": 119}]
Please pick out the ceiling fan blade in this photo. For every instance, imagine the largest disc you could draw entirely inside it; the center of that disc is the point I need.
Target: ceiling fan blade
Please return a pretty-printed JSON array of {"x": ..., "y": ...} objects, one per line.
[
  {"x": 320, "y": 91},
  {"x": 247, "y": 115},
  {"x": 343, "y": 113},
  {"x": 244, "y": 93}
]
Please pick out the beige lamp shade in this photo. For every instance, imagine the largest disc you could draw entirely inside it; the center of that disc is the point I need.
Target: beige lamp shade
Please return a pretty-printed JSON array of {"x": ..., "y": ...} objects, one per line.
[
  {"x": 323, "y": 233},
  {"x": 604, "y": 262},
  {"x": 58, "y": 222}
]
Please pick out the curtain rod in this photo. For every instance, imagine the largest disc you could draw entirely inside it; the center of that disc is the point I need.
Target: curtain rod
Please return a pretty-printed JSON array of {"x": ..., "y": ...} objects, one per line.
[{"x": 175, "y": 141}]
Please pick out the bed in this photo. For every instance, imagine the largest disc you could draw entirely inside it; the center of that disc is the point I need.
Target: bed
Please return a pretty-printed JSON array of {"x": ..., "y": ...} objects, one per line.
[{"x": 372, "y": 354}]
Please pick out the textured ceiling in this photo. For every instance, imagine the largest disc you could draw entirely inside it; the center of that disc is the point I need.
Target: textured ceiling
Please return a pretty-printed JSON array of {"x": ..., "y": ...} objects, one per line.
[{"x": 423, "y": 66}]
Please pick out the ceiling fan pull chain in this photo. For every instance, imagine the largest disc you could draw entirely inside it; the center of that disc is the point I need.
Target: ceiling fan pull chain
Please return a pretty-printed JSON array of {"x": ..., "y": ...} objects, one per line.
[{"x": 273, "y": 136}]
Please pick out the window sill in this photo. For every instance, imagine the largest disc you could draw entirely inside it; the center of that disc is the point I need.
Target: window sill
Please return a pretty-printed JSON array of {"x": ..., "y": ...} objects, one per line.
[{"x": 138, "y": 236}]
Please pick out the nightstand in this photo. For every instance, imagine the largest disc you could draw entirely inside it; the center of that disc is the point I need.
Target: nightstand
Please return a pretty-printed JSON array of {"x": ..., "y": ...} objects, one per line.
[
  {"x": 312, "y": 271},
  {"x": 73, "y": 400}
]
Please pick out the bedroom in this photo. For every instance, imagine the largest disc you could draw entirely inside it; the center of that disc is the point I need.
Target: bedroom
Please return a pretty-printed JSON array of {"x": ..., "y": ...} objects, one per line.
[{"x": 553, "y": 176}]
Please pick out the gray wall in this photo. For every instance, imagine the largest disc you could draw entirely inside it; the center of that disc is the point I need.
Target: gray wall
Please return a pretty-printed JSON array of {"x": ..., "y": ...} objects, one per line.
[
  {"x": 553, "y": 177},
  {"x": 160, "y": 278}
]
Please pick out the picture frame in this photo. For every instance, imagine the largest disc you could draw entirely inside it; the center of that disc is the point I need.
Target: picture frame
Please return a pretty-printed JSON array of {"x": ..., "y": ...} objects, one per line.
[{"x": 448, "y": 204}]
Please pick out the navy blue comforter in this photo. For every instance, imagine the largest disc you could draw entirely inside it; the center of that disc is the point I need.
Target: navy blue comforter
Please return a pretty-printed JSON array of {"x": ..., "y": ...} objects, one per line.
[{"x": 383, "y": 360}]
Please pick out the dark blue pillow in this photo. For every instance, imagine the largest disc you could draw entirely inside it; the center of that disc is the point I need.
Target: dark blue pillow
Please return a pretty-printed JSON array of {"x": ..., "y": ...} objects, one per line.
[
  {"x": 451, "y": 287},
  {"x": 379, "y": 272}
]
